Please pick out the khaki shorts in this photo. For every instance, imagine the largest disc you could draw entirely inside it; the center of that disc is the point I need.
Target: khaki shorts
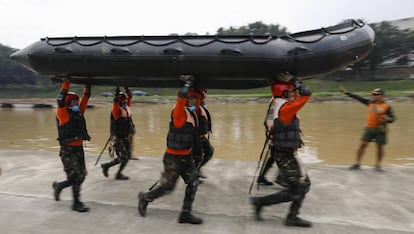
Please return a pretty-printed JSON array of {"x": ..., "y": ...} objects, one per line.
[{"x": 374, "y": 135}]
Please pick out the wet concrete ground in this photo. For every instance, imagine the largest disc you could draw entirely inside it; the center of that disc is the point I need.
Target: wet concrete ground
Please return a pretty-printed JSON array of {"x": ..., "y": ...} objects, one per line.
[{"x": 340, "y": 201}]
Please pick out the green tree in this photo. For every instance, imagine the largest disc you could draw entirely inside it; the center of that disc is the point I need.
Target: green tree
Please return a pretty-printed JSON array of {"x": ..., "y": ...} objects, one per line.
[
  {"x": 11, "y": 72},
  {"x": 389, "y": 42},
  {"x": 256, "y": 28}
]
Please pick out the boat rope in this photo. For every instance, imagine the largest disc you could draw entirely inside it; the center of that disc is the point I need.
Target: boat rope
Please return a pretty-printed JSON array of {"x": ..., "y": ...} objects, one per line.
[{"x": 343, "y": 28}]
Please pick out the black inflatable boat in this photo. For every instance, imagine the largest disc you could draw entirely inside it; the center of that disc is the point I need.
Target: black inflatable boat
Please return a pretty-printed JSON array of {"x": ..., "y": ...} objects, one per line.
[{"x": 221, "y": 62}]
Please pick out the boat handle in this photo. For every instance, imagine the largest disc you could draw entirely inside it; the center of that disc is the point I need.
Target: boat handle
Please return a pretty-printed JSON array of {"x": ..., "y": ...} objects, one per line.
[
  {"x": 298, "y": 50},
  {"x": 62, "y": 50},
  {"x": 172, "y": 51},
  {"x": 230, "y": 52},
  {"x": 119, "y": 51}
]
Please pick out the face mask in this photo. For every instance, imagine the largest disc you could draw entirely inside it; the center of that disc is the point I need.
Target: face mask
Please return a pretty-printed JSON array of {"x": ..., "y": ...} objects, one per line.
[
  {"x": 75, "y": 108},
  {"x": 192, "y": 108}
]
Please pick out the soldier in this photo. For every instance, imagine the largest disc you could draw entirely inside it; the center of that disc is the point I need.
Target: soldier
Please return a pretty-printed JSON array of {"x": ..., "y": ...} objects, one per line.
[
  {"x": 72, "y": 132},
  {"x": 286, "y": 139},
  {"x": 177, "y": 157},
  {"x": 121, "y": 129}
]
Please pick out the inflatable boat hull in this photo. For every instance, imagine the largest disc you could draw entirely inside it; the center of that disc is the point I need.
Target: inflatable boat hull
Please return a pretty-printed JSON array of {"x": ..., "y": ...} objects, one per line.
[{"x": 221, "y": 62}]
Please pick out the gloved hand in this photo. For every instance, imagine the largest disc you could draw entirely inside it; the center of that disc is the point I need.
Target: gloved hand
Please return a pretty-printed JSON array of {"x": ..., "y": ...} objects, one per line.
[
  {"x": 128, "y": 92},
  {"x": 284, "y": 76},
  {"x": 188, "y": 83},
  {"x": 87, "y": 90},
  {"x": 116, "y": 94},
  {"x": 302, "y": 88},
  {"x": 295, "y": 81},
  {"x": 188, "y": 80}
]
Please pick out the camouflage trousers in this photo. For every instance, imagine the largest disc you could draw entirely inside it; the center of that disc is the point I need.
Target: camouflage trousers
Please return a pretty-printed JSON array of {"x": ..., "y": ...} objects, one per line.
[
  {"x": 121, "y": 146},
  {"x": 174, "y": 167},
  {"x": 73, "y": 160},
  {"x": 294, "y": 175}
]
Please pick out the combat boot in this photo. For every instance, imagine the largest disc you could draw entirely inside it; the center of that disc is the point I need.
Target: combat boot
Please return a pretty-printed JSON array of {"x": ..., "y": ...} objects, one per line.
[
  {"x": 56, "y": 190},
  {"x": 142, "y": 204},
  {"x": 187, "y": 217},
  {"x": 296, "y": 221},
  {"x": 257, "y": 208},
  {"x": 80, "y": 207},
  {"x": 121, "y": 176},
  {"x": 263, "y": 181},
  {"x": 105, "y": 168}
]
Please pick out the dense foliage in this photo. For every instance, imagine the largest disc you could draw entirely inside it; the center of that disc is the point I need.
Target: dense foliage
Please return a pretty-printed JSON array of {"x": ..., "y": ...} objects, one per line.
[
  {"x": 11, "y": 72},
  {"x": 390, "y": 42},
  {"x": 257, "y": 28}
]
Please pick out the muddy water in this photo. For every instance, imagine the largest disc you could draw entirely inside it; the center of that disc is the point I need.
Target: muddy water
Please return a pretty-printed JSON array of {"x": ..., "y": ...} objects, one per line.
[{"x": 331, "y": 131}]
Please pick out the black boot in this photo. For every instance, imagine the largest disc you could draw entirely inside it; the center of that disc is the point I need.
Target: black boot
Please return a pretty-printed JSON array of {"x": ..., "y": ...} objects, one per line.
[
  {"x": 79, "y": 207},
  {"x": 56, "y": 190},
  {"x": 296, "y": 221},
  {"x": 263, "y": 181},
  {"x": 105, "y": 168},
  {"x": 77, "y": 204},
  {"x": 187, "y": 217},
  {"x": 142, "y": 204},
  {"x": 58, "y": 187},
  {"x": 257, "y": 208},
  {"x": 120, "y": 176}
]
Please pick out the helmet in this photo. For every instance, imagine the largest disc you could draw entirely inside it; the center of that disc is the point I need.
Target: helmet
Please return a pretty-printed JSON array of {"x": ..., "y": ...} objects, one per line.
[
  {"x": 194, "y": 93},
  {"x": 279, "y": 86},
  {"x": 71, "y": 96},
  {"x": 122, "y": 97}
]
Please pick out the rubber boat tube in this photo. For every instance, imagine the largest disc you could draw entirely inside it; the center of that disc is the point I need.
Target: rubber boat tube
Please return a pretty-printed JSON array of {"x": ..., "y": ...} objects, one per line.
[{"x": 220, "y": 62}]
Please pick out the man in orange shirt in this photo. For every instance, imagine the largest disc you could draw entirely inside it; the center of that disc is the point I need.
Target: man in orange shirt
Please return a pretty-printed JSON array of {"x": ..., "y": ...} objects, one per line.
[
  {"x": 286, "y": 139},
  {"x": 177, "y": 157},
  {"x": 72, "y": 132},
  {"x": 379, "y": 115}
]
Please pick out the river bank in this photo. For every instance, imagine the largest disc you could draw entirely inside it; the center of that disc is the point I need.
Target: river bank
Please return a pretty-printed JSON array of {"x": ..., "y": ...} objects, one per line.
[
  {"x": 340, "y": 201},
  {"x": 9, "y": 102}
]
